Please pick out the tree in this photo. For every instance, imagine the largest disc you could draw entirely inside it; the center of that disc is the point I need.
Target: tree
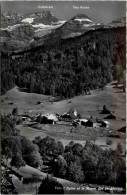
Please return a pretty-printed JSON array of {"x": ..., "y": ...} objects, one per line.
[
  {"x": 50, "y": 185},
  {"x": 121, "y": 174},
  {"x": 79, "y": 116},
  {"x": 60, "y": 166},
  {"x": 7, "y": 186},
  {"x": 17, "y": 161},
  {"x": 104, "y": 107},
  {"x": 11, "y": 145},
  {"x": 34, "y": 159},
  {"x": 75, "y": 173},
  {"x": 37, "y": 140},
  {"x": 48, "y": 146},
  {"x": 60, "y": 147},
  {"x": 15, "y": 111},
  {"x": 119, "y": 148},
  {"x": 109, "y": 142},
  {"x": 6, "y": 154},
  {"x": 30, "y": 153},
  {"x": 77, "y": 149},
  {"x": 6, "y": 129}
]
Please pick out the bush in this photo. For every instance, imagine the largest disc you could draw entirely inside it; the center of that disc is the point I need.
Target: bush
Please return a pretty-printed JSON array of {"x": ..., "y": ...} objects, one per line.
[
  {"x": 33, "y": 179},
  {"x": 109, "y": 142},
  {"x": 50, "y": 185}
]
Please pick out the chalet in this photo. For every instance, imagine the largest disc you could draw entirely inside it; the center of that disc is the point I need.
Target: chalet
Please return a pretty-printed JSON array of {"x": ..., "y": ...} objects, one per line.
[
  {"x": 69, "y": 116},
  {"x": 79, "y": 122},
  {"x": 66, "y": 117},
  {"x": 25, "y": 117},
  {"x": 110, "y": 116},
  {"x": 104, "y": 124},
  {"x": 86, "y": 122},
  {"x": 89, "y": 123},
  {"x": 45, "y": 120},
  {"x": 49, "y": 119}
]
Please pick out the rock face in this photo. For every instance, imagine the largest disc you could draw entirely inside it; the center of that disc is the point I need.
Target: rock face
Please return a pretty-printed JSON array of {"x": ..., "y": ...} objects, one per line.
[
  {"x": 77, "y": 26},
  {"x": 25, "y": 31},
  {"x": 10, "y": 18},
  {"x": 45, "y": 17},
  {"x": 118, "y": 23},
  {"x": 16, "y": 37},
  {"x": 21, "y": 32}
]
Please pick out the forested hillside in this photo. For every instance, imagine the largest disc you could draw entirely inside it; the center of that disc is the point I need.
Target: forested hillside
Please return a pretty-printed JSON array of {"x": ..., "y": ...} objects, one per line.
[{"x": 68, "y": 67}]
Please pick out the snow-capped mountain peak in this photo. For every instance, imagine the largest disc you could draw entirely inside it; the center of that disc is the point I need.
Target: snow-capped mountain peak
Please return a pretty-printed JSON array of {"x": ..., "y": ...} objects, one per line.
[{"x": 83, "y": 20}]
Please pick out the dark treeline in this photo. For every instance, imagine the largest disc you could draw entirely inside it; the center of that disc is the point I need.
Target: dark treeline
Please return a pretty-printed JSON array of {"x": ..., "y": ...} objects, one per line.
[{"x": 69, "y": 67}]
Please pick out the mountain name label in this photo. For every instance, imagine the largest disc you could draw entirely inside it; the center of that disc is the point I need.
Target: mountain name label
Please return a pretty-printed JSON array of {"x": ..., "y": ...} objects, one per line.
[{"x": 81, "y": 7}]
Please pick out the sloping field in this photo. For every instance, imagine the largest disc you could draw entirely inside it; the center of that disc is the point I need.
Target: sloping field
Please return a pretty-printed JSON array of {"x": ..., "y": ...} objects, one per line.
[
  {"x": 88, "y": 105},
  {"x": 28, "y": 171}
]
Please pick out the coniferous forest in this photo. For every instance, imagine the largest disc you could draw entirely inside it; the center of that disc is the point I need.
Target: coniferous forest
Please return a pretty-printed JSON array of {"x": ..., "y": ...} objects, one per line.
[{"x": 68, "y": 67}]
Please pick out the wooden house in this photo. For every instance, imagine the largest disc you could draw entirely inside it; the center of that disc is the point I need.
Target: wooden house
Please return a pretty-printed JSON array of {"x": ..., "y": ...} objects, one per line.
[{"x": 69, "y": 116}]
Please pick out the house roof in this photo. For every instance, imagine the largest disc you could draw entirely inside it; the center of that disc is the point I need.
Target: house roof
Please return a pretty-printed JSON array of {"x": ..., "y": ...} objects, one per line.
[
  {"x": 72, "y": 113},
  {"x": 51, "y": 117},
  {"x": 89, "y": 121},
  {"x": 83, "y": 120}
]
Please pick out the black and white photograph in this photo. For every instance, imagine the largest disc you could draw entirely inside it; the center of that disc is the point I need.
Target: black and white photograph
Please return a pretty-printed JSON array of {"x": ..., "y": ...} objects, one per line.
[{"x": 63, "y": 97}]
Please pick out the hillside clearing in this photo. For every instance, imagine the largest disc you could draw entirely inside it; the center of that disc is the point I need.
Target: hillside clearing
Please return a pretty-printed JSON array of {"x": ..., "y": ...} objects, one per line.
[{"x": 88, "y": 105}]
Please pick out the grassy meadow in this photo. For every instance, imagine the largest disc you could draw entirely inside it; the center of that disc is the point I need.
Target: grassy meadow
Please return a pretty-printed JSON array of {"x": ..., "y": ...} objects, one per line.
[{"x": 86, "y": 105}]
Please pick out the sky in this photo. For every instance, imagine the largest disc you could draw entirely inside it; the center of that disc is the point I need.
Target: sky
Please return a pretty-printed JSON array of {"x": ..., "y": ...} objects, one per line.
[{"x": 98, "y": 11}]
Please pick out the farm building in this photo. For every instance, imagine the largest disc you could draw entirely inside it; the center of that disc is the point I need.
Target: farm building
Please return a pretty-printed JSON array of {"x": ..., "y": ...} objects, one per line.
[
  {"x": 45, "y": 120},
  {"x": 89, "y": 123},
  {"x": 49, "y": 119},
  {"x": 69, "y": 116},
  {"x": 25, "y": 117},
  {"x": 101, "y": 123},
  {"x": 86, "y": 122},
  {"x": 79, "y": 122},
  {"x": 110, "y": 116},
  {"x": 104, "y": 124},
  {"x": 66, "y": 117}
]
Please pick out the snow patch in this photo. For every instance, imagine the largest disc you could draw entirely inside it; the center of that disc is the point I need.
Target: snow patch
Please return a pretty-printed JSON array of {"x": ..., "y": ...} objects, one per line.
[
  {"x": 32, "y": 40},
  {"x": 28, "y": 20},
  {"x": 43, "y": 26},
  {"x": 10, "y": 28},
  {"x": 83, "y": 20},
  {"x": 59, "y": 22}
]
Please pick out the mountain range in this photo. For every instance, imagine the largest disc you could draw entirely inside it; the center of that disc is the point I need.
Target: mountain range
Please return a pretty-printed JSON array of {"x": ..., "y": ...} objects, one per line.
[{"x": 23, "y": 31}]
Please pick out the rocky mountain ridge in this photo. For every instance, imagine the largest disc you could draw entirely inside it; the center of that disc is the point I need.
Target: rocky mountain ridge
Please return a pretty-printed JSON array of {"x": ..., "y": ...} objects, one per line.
[{"x": 21, "y": 31}]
